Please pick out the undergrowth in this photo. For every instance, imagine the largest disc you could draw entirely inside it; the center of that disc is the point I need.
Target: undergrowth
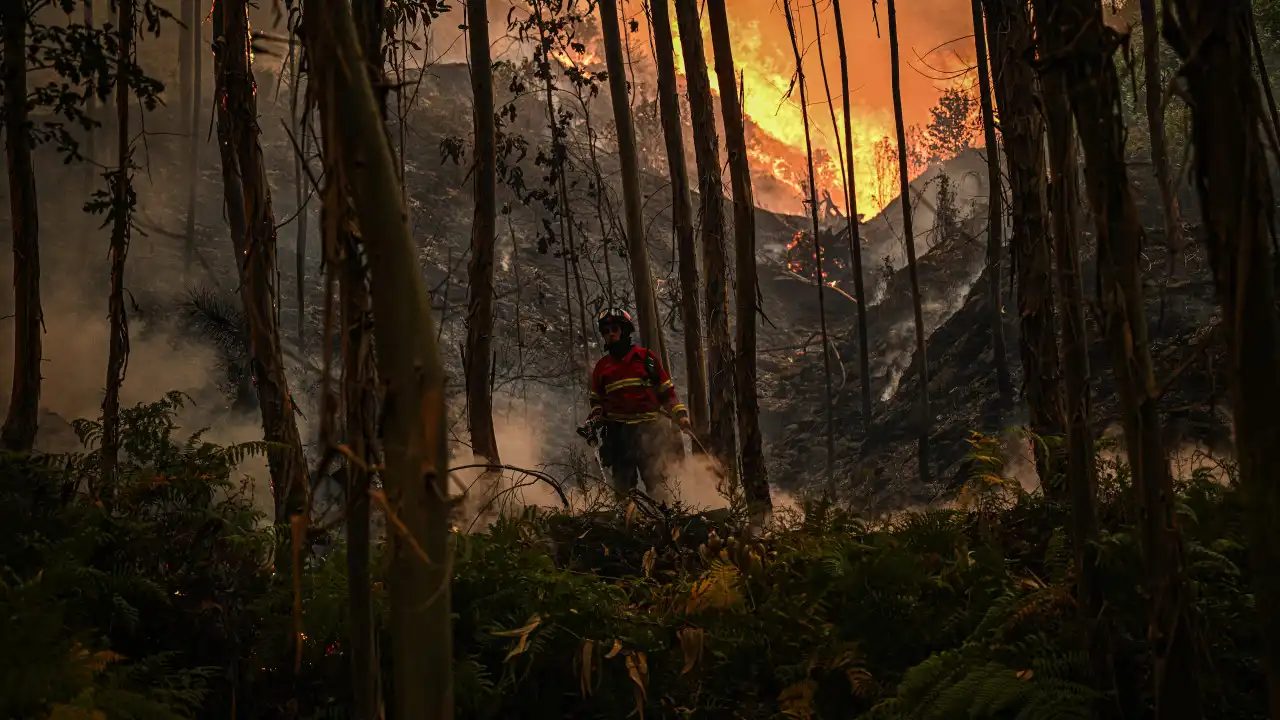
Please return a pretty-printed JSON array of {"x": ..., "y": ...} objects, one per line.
[{"x": 156, "y": 598}]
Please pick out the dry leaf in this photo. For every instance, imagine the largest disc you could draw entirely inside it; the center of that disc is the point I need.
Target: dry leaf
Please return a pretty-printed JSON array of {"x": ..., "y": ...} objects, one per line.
[
  {"x": 691, "y": 642},
  {"x": 522, "y": 633},
  {"x": 650, "y": 556},
  {"x": 588, "y": 659},
  {"x": 1025, "y": 674},
  {"x": 638, "y": 669},
  {"x": 617, "y": 648}
]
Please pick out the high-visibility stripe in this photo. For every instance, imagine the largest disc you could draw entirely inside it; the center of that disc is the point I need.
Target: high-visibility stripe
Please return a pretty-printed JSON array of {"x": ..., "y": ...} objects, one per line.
[
  {"x": 679, "y": 408},
  {"x": 666, "y": 386},
  {"x": 629, "y": 382},
  {"x": 632, "y": 418}
]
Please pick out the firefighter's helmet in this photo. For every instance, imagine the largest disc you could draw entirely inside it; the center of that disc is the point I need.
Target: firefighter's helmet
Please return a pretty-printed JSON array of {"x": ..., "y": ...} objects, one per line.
[{"x": 615, "y": 316}]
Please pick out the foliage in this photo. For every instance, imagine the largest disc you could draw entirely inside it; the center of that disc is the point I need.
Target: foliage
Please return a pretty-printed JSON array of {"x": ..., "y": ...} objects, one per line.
[{"x": 156, "y": 599}]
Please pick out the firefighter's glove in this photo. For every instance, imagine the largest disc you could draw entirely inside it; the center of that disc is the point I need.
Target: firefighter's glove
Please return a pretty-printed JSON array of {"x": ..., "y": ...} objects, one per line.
[
  {"x": 685, "y": 425},
  {"x": 589, "y": 431}
]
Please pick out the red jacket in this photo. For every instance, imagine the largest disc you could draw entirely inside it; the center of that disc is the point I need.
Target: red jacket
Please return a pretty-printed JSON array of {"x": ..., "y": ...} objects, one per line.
[{"x": 623, "y": 390}]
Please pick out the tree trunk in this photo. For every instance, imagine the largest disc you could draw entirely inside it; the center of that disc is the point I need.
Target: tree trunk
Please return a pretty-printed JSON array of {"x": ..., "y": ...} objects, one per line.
[
  {"x": 1237, "y": 199},
  {"x": 908, "y": 235},
  {"x": 682, "y": 212},
  {"x": 298, "y": 128},
  {"x": 360, "y": 384},
  {"x": 637, "y": 248},
  {"x": 484, "y": 443},
  {"x": 1093, "y": 86},
  {"x": 415, "y": 442},
  {"x": 118, "y": 350},
  {"x": 819, "y": 279},
  {"x": 1009, "y": 28},
  {"x": 22, "y": 421},
  {"x": 253, "y": 237},
  {"x": 359, "y": 388},
  {"x": 91, "y": 111},
  {"x": 185, "y": 50},
  {"x": 1155, "y": 125},
  {"x": 755, "y": 479},
  {"x": 1064, "y": 202},
  {"x": 194, "y": 133},
  {"x": 855, "y": 243},
  {"x": 714, "y": 259},
  {"x": 995, "y": 211}
]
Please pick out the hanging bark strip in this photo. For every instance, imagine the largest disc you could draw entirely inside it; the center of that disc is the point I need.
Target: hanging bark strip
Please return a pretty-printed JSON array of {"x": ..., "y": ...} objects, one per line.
[
  {"x": 637, "y": 247},
  {"x": 484, "y": 443},
  {"x": 415, "y": 442},
  {"x": 924, "y": 418},
  {"x": 1093, "y": 86},
  {"x": 820, "y": 279},
  {"x": 755, "y": 478},
  {"x": 1237, "y": 199},
  {"x": 682, "y": 215},
  {"x": 253, "y": 237},
  {"x": 1022, "y": 125},
  {"x": 118, "y": 352},
  {"x": 720, "y": 378},
  {"x": 995, "y": 211},
  {"x": 22, "y": 421}
]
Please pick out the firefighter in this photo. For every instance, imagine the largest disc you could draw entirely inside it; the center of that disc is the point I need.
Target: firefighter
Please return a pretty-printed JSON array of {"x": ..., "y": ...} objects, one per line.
[{"x": 630, "y": 392}]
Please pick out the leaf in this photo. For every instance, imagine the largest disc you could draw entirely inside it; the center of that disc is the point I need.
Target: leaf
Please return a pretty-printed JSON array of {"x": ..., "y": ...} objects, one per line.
[
  {"x": 1024, "y": 674},
  {"x": 617, "y": 648},
  {"x": 796, "y": 700},
  {"x": 522, "y": 633},
  {"x": 638, "y": 669},
  {"x": 650, "y": 556},
  {"x": 588, "y": 653},
  {"x": 691, "y": 642}
]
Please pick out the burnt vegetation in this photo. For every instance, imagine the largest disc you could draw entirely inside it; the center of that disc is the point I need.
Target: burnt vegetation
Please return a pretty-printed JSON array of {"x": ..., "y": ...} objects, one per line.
[{"x": 938, "y": 455}]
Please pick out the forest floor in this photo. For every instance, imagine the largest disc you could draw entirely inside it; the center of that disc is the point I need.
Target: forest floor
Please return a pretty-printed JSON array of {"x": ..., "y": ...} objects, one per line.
[{"x": 156, "y": 598}]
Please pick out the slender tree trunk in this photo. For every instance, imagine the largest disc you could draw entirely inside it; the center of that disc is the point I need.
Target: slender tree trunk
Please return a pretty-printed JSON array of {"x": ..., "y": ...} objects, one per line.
[
  {"x": 720, "y": 379},
  {"x": 1064, "y": 203},
  {"x": 415, "y": 441},
  {"x": 682, "y": 212},
  {"x": 118, "y": 351},
  {"x": 22, "y": 421},
  {"x": 90, "y": 111},
  {"x": 817, "y": 249},
  {"x": 855, "y": 243},
  {"x": 185, "y": 49},
  {"x": 755, "y": 479},
  {"x": 1093, "y": 86},
  {"x": 194, "y": 132},
  {"x": 484, "y": 443},
  {"x": 1009, "y": 27},
  {"x": 361, "y": 404},
  {"x": 1155, "y": 125},
  {"x": 1236, "y": 195},
  {"x": 254, "y": 240},
  {"x": 908, "y": 235},
  {"x": 995, "y": 211},
  {"x": 637, "y": 248},
  {"x": 360, "y": 379},
  {"x": 298, "y": 127}
]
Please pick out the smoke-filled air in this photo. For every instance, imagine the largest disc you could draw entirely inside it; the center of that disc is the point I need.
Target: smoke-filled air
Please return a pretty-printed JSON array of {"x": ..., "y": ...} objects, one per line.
[{"x": 723, "y": 359}]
